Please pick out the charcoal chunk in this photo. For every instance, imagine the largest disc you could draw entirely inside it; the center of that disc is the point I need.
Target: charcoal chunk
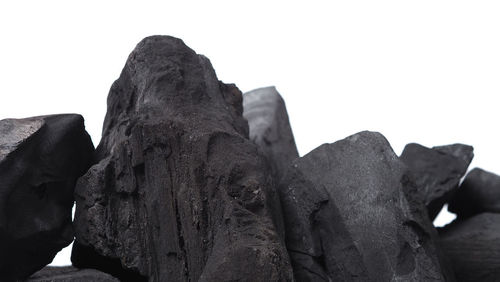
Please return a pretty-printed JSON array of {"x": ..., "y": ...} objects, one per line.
[
  {"x": 269, "y": 126},
  {"x": 479, "y": 192},
  {"x": 347, "y": 216},
  {"x": 437, "y": 171},
  {"x": 179, "y": 193},
  {"x": 40, "y": 161},
  {"x": 70, "y": 274},
  {"x": 473, "y": 246}
]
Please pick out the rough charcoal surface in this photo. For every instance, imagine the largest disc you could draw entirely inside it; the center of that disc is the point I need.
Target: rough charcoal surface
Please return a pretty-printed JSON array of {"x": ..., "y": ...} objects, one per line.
[
  {"x": 347, "y": 217},
  {"x": 70, "y": 274},
  {"x": 40, "y": 161},
  {"x": 478, "y": 193},
  {"x": 179, "y": 193},
  {"x": 269, "y": 127},
  {"x": 473, "y": 246},
  {"x": 437, "y": 171}
]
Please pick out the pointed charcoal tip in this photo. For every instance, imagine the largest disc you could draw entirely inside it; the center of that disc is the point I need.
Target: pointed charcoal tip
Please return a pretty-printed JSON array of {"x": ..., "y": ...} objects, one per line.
[
  {"x": 151, "y": 47},
  {"x": 15, "y": 130},
  {"x": 461, "y": 151},
  {"x": 264, "y": 94},
  {"x": 265, "y": 89},
  {"x": 479, "y": 173},
  {"x": 413, "y": 145},
  {"x": 160, "y": 39},
  {"x": 70, "y": 118},
  {"x": 367, "y": 135},
  {"x": 264, "y": 97},
  {"x": 411, "y": 149},
  {"x": 362, "y": 138}
]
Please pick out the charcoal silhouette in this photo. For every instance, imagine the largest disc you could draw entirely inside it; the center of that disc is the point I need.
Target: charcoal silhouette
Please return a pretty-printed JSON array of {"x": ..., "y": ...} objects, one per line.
[
  {"x": 437, "y": 171},
  {"x": 40, "y": 161},
  {"x": 179, "y": 193},
  {"x": 478, "y": 193},
  {"x": 347, "y": 217},
  {"x": 194, "y": 181},
  {"x": 265, "y": 111}
]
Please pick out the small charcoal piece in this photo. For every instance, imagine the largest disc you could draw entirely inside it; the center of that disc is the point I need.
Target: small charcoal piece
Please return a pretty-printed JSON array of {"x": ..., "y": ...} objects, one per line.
[
  {"x": 347, "y": 217},
  {"x": 437, "y": 171},
  {"x": 269, "y": 126},
  {"x": 180, "y": 193},
  {"x": 40, "y": 161},
  {"x": 70, "y": 274},
  {"x": 479, "y": 192},
  {"x": 473, "y": 246}
]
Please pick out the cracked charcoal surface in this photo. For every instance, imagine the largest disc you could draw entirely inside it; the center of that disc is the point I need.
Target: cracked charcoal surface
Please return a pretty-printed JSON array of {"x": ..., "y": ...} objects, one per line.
[
  {"x": 269, "y": 126},
  {"x": 347, "y": 217},
  {"x": 40, "y": 161},
  {"x": 70, "y": 274},
  {"x": 479, "y": 192},
  {"x": 180, "y": 193},
  {"x": 473, "y": 246},
  {"x": 437, "y": 171}
]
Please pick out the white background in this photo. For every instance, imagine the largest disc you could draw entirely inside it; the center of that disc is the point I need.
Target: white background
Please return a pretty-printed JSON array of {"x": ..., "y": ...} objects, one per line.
[{"x": 417, "y": 71}]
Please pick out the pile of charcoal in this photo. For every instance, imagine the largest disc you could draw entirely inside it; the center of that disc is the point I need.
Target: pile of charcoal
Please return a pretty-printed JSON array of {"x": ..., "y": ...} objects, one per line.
[{"x": 195, "y": 181}]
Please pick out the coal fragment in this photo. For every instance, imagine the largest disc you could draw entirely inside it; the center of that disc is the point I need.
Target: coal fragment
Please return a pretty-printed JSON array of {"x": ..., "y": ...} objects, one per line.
[
  {"x": 180, "y": 193},
  {"x": 40, "y": 161},
  {"x": 473, "y": 246},
  {"x": 70, "y": 274},
  {"x": 437, "y": 171},
  {"x": 265, "y": 110},
  {"x": 347, "y": 217},
  {"x": 478, "y": 193}
]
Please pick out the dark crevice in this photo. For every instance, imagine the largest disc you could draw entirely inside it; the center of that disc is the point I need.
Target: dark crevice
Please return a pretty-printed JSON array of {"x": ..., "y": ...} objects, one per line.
[
  {"x": 320, "y": 272},
  {"x": 179, "y": 235},
  {"x": 89, "y": 258},
  {"x": 422, "y": 234},
  {"x": 139, "y": 175},
  {"x": 406, "y": 260}
]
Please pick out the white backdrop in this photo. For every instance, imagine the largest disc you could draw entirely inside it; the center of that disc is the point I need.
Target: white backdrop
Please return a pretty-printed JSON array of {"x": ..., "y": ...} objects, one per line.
[{"x": 417, "y": 71}]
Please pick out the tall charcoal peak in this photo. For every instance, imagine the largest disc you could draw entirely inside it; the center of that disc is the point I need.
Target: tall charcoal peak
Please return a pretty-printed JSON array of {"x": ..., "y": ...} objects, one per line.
[
  {"x": 41, "y": 159},
  {"x": 163, "y": 79},
  {"x": 347, "y": 216},
  {"x": 478, "y": 193},
  {"x": 269, "y": 126},
  {"x": 179, "y": 193},
  {"x": 437, "y": 171}
]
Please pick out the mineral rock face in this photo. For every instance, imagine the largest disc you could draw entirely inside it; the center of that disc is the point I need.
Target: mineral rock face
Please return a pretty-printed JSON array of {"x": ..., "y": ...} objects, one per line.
[
  {"x": 347, "y": 217},
  {"x": 270, "y": 128},
  {"x": 70, "y": 274},
  {"x": 180, "y": 193},
  {"x": 480, "y": 192},
  {"x": 437, "y": 171},
  {"x": 40, "y": 160},
  {"x": 473, "y": 245}
]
